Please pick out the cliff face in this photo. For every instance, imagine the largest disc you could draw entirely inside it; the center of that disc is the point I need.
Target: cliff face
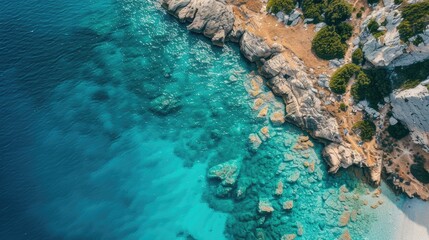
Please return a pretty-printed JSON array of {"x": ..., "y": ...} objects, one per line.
[
  {"x": 286, "y": 77},
  {"x": 411, "y": 107}
]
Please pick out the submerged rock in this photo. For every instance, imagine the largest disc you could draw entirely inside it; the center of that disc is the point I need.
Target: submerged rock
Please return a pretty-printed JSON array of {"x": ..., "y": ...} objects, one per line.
[
  {"x": 255, "y": 141},
  {"x": 288, "y": 205},
  {"x": 165, "y": 104},
  {"x": 265, "y": 206},
  {"x": 227, "y": 172}
]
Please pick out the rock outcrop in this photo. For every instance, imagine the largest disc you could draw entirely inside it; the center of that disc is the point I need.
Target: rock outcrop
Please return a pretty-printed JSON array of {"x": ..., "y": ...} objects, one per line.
[
  {"x": 303, "y": 107},
  {"x": 227, "y": 172},
  {"x": 213, "y": 18},
  {"x": 388, "y": 49},
  {"x": 254, "y": 48},
  {"x": 411, "y": 107},
  {"x": 341, "y": 155}
]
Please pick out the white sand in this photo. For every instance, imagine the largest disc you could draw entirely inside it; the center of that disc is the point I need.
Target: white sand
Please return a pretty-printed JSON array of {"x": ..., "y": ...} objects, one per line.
[{"x": 399, "y": 218}]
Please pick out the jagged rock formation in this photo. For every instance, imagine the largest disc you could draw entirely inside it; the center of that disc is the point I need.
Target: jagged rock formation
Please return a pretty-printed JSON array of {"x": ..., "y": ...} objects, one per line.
[
  {"x": 389, "y": 50},
  {"x": 411, "y": 107},
  {"x": 286, "y": 78},
  {"x": 213, "y": 18}
]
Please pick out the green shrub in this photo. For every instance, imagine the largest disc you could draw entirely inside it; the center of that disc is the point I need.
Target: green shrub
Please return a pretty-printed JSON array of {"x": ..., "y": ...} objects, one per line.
[
  {"x": 337, "y": 11},
  {"x": 416, "y": 18},
  {"x": 276, "y": 6},
  {"x": 397, "y": 2},
  {"x": 327, "y": 44},
  {"x": 410, "y": 84},
  {"x": 417, "y": 71},
  {"x": 359, "y": 15},
  {"x": 341, "y": 77},
  {"x": 398, "y": 131},
  {"x": 343, "y": 107},
  {"x": 372, "y": 1},
  {"x": 379, "y": 87},
  {"x": 366, "y": 128},
  {"x": 345, "y": 30},
  {"x": 314, "y": 9},
  {"x": 418, "y": 40},
  {"x": 357, "y": 56},
  {"x": 360, "y": 86}
]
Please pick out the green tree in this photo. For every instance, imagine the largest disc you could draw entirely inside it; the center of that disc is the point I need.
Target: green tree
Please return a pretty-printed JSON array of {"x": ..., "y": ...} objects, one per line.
[
  {"x": 345, "y": 30},
  {"x": 341, "y": 77},
  {"x": 327, "y": 44},
  {"x": 276, "y": 6},
  {"x": 314, "y": 9},
  {"x": 357, "y": 56},
  {"x": 366, "y": 129},
  {"x": 360, "y": 86},
  {"x": 337, "y": 11}
]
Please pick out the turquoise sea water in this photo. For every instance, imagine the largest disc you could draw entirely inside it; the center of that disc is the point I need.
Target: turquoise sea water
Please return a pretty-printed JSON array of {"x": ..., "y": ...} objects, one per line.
[{"x": 111, "y": 114}]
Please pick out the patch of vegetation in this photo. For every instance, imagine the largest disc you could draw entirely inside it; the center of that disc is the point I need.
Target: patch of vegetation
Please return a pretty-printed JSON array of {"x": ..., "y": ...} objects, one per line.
[
  {"x": 416, "y": 18},
  {"x": 418, "y": 169},
  {"x": 360, "y": 86},
  {"x": 373, "y": 1},
  {"x": 378, "y": 87},
  {"x": 343, "y": 107},
  {"x": 337, "y": 11},
  {"x": 398, "y": 131},
  {"x": 276, "y": 6},
  {"x": 418, "y": 40},
  {"x": 366, "y": 129},
  {"x": 410, "y": 84},
  {"x": 341, "y": 77},
  {"x": 373, "y": 28},
  {"x": 314, "y": 9},
  {"x": 327, "y": 44},
  {"x": 357, "y": 56},
  {"x": 359, "y": 14},
  {"x": 397, "y": 2},
  {"x": 418, "y": 71},
  {"x": 345, "y": 30}
]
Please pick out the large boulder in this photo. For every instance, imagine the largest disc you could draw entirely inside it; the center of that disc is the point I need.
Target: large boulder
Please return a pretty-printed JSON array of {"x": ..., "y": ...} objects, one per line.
[
  {"x": 254, "y": 48},
  {"x": 213, "y": 18},
  {"x": 411, "y": 108},
  {"x": 341, "y": 155}
]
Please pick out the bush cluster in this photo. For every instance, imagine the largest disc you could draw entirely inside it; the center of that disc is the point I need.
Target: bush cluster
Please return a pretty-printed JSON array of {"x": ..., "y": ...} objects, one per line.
[
  {"x": 341, "y": 77},
  {"x": 398, "y": 131},
  {"x": 314, "y": 9},
  {"x": 372, "y": 85},
  {"x": 276, "y": 6},
  {"x": 357, "y": 56},
  {"x": 366, "y": 128},
  {"x": 373, "y": 28},
  {"x": 416, "y": 18},
  {"x": 330, "y": 41},
  {"x": 337, "y": 11}
]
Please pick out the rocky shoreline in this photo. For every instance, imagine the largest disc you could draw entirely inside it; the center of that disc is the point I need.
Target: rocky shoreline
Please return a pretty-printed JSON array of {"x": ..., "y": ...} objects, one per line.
[{"x": 286, "y": 76}]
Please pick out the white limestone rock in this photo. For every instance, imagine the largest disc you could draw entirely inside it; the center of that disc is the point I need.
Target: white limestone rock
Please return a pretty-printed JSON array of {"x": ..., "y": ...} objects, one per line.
[{"x": 411, "y": 107}]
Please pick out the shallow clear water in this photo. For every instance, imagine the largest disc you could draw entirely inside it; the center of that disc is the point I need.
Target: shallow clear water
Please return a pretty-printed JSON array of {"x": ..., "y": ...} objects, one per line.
[{"x": 111, "y": 114}]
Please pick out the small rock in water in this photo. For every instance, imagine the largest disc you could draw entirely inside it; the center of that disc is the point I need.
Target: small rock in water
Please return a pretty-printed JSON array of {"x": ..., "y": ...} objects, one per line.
[
  {"x": 265, "y": 206},
  {"x": 288, "y": 237},
  {"x": 255, "y": 141},
  {"x": 279, "y": 189},
  {"x": 227, "y": 172},
  {"x": 288, "y": 205},
  {"x": 164, "y": 104}
]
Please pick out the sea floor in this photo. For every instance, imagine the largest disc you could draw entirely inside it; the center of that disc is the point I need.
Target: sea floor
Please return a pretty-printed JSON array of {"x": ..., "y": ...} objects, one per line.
[{"x": 111, "y": 115}]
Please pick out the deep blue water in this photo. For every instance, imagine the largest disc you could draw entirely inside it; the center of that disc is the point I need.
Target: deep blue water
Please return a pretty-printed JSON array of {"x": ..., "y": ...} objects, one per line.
[{"x": 84, "y": 155}]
